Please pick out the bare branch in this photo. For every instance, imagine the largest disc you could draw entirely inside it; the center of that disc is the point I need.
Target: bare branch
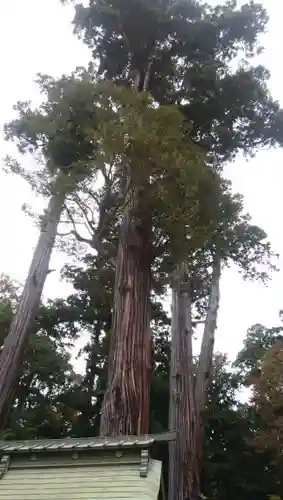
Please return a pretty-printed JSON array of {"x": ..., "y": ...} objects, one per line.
[
  {"x": 51, "y": 271},
  {"x": 84, "y": 209},
  {"x": 74, "y": 232},
  {"x": 81, "y": 239},
  {"x": 108, "y": 178},
  {"x": 95, "y": 241},
  {"x": 64, "y": 234}
]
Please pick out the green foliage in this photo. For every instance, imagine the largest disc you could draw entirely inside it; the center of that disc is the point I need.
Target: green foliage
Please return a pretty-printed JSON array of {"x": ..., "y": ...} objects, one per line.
[
  {"x": 46, "y": 370},
  {"x": 268, "y": 402},
  {"x": 8, "y": 298},
  {"x": 188, "y": 49},
  {"x": 59, "y": 133},
  {"x": 232, "y": 468},
  {"x": 258, "y": 341},
  {"x": 150, "y": 145},
  {"x": 237, "y": 240},
  {"x": 61, "y": 121}
]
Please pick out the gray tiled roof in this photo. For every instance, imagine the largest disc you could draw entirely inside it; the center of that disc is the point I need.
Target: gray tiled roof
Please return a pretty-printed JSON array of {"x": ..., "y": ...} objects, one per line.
[{"x": 96, "y": 443}]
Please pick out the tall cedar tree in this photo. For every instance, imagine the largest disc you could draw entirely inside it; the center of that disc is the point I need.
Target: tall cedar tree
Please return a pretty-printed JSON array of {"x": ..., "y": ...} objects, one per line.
[
  {"x": 144, "y": 178},
  {"x": 182, "y": 53},
  {"x": 58, "y": 133}
]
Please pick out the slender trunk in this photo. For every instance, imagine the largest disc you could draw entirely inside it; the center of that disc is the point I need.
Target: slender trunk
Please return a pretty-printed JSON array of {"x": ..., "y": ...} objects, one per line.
[
  {"x": 125, "y": 408},
  {"x": 206, "y": 352},
  {"x": 203, "y": 378},
  {"x": 14, "y": 345},
  {"x": 183, "y": 478},
  {"x": 188, "y": 400}
]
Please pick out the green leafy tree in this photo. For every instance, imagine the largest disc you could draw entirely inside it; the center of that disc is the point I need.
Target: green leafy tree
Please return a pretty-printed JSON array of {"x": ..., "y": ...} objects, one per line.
[
  {"x": 181, "y": 53},
  {"x": 260, "y": 362},
  {"x": 258, "y": 341},
  {"x": 46, "y": 371},
  {"x": 232, "y": 467},
  {"x": 58, "y": 134}
]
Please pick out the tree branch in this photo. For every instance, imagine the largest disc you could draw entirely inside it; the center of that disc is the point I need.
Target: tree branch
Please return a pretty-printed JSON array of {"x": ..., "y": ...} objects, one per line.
[
  {"x": 64, "y": 234},
  {"x": 74, "y": 231},
  {"x": 84, "y": 209},
  {"x": 96, "y": 238}
]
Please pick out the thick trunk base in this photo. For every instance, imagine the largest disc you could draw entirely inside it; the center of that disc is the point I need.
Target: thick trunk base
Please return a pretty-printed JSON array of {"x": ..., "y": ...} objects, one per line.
[{"x": 125, "y": 408}]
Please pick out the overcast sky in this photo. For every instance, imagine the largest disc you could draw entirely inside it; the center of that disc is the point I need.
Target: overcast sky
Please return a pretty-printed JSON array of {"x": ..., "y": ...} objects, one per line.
[{"x": 36, "y": 36}]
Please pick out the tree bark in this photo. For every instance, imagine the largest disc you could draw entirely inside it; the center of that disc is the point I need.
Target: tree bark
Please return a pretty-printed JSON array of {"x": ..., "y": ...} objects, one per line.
[
  {"x": 183, "y": 477},
  {"x": 125, "y": 408},
  {"x": 206, "y": 352},
  {"x": 14, "y": 344},
  {"x": 187, "y": 396},
  {"x": 203, "y": 378}
]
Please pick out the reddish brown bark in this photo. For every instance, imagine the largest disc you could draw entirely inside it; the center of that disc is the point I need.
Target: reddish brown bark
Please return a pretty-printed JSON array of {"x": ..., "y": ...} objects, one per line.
[
  {"x": 183, "y": 474},
  {"x": 125, "y": 408},
  {"x": 14, "y": 345}
]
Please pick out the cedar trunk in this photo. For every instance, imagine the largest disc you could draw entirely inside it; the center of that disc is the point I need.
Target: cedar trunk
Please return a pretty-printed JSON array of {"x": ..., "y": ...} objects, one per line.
[
  {"x": 183, "y": 473},
  {"x": 188, "y": 396},
  {"x": 14, "y": 345},
  {"x": 125, "y": 408}
]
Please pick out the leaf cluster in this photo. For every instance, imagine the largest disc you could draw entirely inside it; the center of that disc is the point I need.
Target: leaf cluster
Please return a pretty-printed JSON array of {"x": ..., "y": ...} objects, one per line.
[
  {"x": 59, "y": 133},
  {"x": 186, "y": 51}
]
